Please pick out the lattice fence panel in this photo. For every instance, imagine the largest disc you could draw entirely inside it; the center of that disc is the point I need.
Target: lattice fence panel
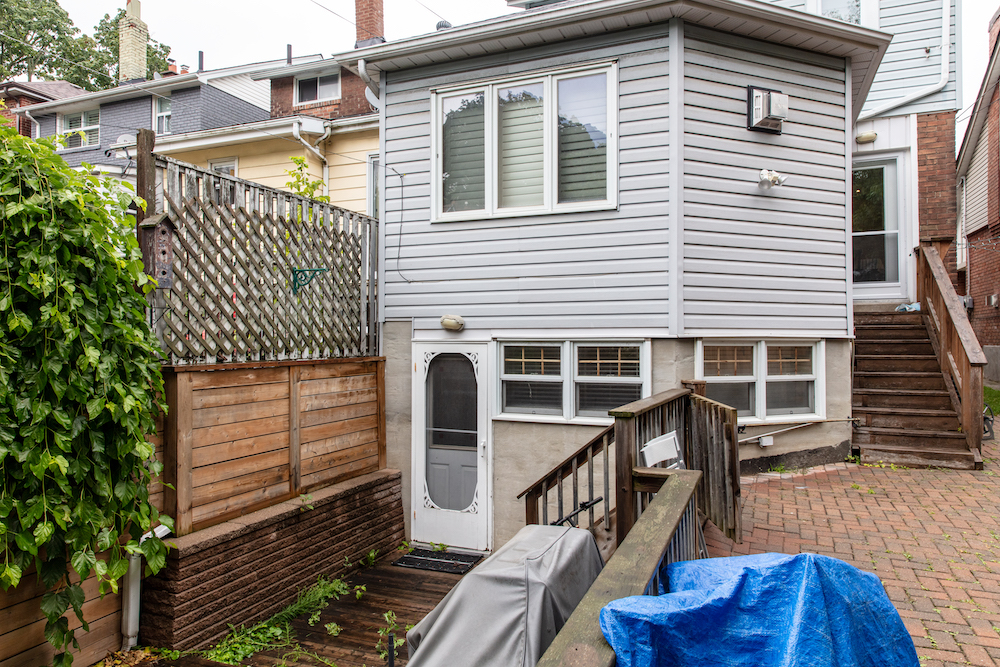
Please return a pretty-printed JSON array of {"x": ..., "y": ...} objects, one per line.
[{"x": 229, "y": 251}]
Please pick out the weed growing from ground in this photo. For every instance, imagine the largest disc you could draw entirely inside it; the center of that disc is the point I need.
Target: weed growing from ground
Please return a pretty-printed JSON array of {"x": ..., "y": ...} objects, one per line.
[{"x": 391, "y": 628}]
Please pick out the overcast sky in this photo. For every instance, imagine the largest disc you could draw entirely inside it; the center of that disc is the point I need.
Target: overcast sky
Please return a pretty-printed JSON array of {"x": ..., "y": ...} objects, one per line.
[{"x": 236, "y": 32}]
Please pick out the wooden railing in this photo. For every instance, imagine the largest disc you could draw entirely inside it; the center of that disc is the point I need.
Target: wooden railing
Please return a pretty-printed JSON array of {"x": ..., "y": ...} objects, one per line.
[
  {"x": 955, "y": 343},
  {"x": 706, "y": 431},
  {"x": 567, "y": 480},
  {"x": 665, "y": 533}
]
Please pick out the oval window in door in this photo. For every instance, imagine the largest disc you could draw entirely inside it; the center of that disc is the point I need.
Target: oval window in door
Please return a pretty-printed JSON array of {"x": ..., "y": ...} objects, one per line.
[{"x": 452, "y": 432}]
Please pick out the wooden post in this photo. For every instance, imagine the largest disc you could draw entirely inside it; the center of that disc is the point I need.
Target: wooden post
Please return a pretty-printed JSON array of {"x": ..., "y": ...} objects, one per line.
[
  {"x": 294, "y": 433},
  {"x": 531, "y": 507},
  {"x": 624, "y": 462},
  {"x": 145, "y": 187},
  {"x": 177, "y": 451},
  {"x": 383, "y": 459}
]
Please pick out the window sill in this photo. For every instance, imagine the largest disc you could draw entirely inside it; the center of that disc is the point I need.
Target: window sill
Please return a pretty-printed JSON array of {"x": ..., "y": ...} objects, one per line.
[
  {"x": 471, "y": 216},
  {"x": 780, "y": 420},
  {"x": 554, "y": 419},
  {"x": 78, "y": 149},
  {"x": 310, "y": 103}
]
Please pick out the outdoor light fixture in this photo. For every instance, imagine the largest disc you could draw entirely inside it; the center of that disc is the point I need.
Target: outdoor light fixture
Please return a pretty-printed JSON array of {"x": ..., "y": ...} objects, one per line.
[
  {"x": 452, "y": 322},
  {"x": 866, "y": 137},
  {"x": 769, "y": 178}
]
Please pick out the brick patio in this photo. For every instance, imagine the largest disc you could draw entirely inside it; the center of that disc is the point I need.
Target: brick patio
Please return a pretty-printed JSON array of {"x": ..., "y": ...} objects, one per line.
[{"x": 932, "y": 536}]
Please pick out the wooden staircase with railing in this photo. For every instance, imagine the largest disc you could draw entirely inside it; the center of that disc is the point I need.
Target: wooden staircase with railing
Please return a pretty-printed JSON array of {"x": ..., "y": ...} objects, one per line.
[{"x": 918, "y": 379}]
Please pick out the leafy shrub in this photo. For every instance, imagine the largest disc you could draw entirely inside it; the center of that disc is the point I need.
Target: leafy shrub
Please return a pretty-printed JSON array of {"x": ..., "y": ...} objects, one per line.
[{"x": 79, "y": 383}]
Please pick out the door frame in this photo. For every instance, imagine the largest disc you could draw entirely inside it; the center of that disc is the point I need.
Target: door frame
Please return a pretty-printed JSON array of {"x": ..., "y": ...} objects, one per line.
[
  {"x": 430, "y": 523},
  {"x": 898, "y": 290}
]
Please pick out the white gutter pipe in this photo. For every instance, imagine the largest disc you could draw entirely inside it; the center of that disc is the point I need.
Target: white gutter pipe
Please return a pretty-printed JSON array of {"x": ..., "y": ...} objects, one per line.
[
  {"x": 929, "y": 90},
  {"x": 27, "y": 114},
  {"x": 131, "y": 590},
  {"x": 363, "y": 73},
  {"x": 297, "y": 133}
]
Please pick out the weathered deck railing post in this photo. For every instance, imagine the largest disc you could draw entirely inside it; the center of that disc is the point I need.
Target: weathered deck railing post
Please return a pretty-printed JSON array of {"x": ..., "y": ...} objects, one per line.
[{"x": 955, "y": 344}]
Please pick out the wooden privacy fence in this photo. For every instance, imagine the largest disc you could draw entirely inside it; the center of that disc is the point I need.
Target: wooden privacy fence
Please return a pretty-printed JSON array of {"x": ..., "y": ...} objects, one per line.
[
  {"x": 241, "y": 437},
  {"x": 955, "y": 344},
  {"x": 250, "y": 273}
]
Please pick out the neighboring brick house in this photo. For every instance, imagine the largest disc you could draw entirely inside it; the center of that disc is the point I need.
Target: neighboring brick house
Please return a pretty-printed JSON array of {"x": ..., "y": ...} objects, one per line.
[
  {"x": 978, "y": 174},
  {"x": 20, "y": 94}
]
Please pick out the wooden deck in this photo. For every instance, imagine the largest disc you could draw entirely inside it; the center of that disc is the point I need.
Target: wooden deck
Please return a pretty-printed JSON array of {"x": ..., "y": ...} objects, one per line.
[{"x": 410, "y": 593}]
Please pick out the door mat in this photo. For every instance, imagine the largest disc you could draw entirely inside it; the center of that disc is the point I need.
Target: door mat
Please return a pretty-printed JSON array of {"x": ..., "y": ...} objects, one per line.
[{"x": 438, "y": 561}]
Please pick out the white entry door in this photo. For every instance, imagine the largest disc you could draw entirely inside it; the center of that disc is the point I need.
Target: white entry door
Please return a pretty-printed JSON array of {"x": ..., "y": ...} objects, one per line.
[{"x": 450, "y": 455}]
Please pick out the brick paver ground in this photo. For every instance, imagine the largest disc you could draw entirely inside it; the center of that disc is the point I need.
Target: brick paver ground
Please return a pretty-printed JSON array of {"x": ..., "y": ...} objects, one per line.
[{"x": 932, "y": 536}]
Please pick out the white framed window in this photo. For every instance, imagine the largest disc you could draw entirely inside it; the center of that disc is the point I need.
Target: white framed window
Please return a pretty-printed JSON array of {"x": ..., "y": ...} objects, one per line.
[
  {"x": 543, "y": 143},
  {"x": 162, "y": 115},
  {"x": 317, "y": 89},
  {"x": 567, "y": 380},
  {"x": 372, "y": 191},
  {"x": 858, "y": 12},
  {"x": 765, "y": 380},
  {"x": 228, "y": 166},
  {"x": 82, "y": 129}
]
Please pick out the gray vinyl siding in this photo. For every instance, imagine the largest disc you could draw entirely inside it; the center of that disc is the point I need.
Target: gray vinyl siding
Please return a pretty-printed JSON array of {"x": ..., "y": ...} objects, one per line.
[
  {"x": 763, "y": 263},
  {"x": 977, "y": 187},
  {"x": 907, "y": 66},
  {"x": 117, "y": 119},
  {"x": 580, "y": 270},
  {"x": 219, "y": 109}
]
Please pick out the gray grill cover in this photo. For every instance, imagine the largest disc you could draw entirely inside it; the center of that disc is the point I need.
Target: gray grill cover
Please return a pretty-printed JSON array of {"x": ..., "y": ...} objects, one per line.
[{"x": 508, "y": 610}]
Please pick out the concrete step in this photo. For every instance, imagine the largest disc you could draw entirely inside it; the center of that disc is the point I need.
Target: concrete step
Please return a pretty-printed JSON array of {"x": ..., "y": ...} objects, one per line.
[
  {"x": 894, "y": 346},
  {"x": 908, "y": 418},
  {"x": 898, "y": 380},
  {"x": 907, "y": 438},
  {"x": 881, "y": 331},
  {"x": 937, "y": 399},
  {"x": 897, "y": 362},
  {"x": 956, "y": 459}
]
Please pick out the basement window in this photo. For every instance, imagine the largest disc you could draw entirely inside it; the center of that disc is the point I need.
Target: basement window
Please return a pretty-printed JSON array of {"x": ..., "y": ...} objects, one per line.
[
  {"x": 317, "y": 89},
  {"x": 764, "y": 380},
  {"x": 567, "y": 380}
]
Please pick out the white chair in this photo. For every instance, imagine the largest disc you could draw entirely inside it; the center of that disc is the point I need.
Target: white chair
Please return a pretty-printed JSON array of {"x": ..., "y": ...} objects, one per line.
[{"x": 663, "y": 448}]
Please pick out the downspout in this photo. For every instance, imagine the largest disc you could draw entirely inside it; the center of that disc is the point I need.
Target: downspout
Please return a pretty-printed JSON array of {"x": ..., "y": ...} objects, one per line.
[
  {"x": 131, "y": 590},
  {"x": 933, "y": 88},
  {"x": 296, "y": 132},
  {"x": 27, "y": 114},
  {"x": 363, "y": 73},
  {"x": 964, "y": 238}
]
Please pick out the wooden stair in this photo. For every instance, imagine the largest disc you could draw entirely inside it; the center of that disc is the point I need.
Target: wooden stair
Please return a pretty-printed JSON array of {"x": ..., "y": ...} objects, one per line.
[{"x": 903, "y": 408}]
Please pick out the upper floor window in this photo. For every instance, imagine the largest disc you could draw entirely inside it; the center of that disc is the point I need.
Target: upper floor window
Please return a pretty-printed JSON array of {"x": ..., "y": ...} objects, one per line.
[
  {"x": 858, "y": 12},
  {"x": 540, "y": 144},
  {"x": 163, "y": 115},
  {"x": 82, "y": 129},
  {"x": 317, "y": 89}
]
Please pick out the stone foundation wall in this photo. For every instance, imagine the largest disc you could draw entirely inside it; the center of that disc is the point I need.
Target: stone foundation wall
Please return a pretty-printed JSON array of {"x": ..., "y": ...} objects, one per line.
[{"x": 247, "y": 569}]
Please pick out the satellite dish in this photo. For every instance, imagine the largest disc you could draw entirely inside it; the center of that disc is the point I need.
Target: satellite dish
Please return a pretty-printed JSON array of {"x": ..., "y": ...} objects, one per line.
[{"x": 125, "y": 139}]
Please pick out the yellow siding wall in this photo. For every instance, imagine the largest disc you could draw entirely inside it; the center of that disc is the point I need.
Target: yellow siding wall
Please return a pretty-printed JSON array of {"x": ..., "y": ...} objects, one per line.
[
  {"x": 266, "y": 162},
  {"x": 347, "y": 155}
]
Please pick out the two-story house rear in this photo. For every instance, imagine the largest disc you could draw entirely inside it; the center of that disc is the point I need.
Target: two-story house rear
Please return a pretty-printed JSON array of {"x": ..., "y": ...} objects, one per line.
[{"x": 591, "y": 201}]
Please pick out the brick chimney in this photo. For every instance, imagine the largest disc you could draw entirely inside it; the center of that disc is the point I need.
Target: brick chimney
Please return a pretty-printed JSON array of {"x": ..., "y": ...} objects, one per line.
[
  {"x": 369, "y": 19},
  {"x": 133, "y": 35}
]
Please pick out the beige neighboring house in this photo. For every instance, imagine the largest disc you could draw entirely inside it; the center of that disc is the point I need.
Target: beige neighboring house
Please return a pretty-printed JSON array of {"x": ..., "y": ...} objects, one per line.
[{"x": 342, "y": 152}]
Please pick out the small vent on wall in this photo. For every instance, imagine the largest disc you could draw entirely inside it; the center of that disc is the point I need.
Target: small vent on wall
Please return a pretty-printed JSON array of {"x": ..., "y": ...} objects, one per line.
[{"x": 993, "y": 300}]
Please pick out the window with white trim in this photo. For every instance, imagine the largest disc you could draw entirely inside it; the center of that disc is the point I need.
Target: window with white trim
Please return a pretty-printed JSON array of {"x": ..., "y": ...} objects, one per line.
[
  {"x": 82, "y": 129},
  {"x": 536, "y": 144},
  {"x": 372, "y": 193},
  {"x": 227, "y": 166},
  {"x": 163, "y": 115},
  {"x": 858, "y": 12},
  {"x": 570, "y": 379},
  {"x": 317, "y": 89},
  {"x": 764, "y": 380}
]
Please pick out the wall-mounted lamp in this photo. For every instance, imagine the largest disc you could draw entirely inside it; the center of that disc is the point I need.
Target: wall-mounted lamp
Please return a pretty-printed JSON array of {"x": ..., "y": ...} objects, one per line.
[
  {"x": 769, "y": 178},
  {"x": 452, "y": 322},
  {"x": 866, "y": 137}
]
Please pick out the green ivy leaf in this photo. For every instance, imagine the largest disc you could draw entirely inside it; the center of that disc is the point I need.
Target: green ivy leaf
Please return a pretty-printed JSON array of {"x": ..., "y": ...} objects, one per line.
[
  {"x": 43, "y": 532},
  {"x": 54, "y": 604}
]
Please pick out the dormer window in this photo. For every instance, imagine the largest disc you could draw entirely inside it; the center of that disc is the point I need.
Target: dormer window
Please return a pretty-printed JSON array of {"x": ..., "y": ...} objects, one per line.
[
  {"x": 82, "y": 129},
  {"x": 857, "y": 12},
  {"x": 317, "y": 89}
]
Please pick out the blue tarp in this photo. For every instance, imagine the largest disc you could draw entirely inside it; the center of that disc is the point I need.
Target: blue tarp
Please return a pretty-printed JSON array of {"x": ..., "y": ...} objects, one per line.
[{"x": 767, "y": 610}]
